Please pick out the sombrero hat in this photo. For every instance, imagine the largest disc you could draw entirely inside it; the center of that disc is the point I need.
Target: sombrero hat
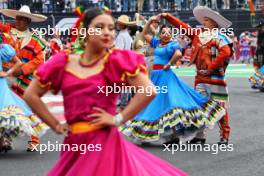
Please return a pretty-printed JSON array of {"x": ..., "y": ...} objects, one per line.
[
  {"x": 24, "y": 11},
  {"x": 200, "y": 12},
  {"x": 124, "y": 19}
]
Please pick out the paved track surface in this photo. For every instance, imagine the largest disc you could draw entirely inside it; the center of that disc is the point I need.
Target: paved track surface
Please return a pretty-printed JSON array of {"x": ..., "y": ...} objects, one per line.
[{"x": 247, "y": 137}]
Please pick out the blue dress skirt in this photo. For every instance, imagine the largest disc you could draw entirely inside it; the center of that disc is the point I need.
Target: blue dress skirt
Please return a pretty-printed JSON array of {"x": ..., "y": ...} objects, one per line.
[
  {"x": 257, "y": 80},
  {"x": 16, "y": 118},
  {"x": 176, "y": 108}
]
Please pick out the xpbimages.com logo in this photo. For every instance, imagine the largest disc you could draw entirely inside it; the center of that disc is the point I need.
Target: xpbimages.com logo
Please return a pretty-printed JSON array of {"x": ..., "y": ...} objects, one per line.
[
  {"x": 82, "y": 32},
  {"x": 196, "y": 31},
  {"x": 187, "y": 147},
  {"x": 117, "y": 89},
  {"x": 58, "y": 147}
]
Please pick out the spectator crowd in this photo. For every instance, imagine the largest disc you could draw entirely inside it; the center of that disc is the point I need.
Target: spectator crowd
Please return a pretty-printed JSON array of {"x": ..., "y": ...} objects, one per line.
[{"x": 50, "y": 6}]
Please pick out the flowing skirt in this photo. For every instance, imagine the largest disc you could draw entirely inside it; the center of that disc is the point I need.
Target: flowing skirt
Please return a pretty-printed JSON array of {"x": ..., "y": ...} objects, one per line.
[
  {"x": 16, "y": 118},
  {"x": 104, "y": 152},
  {"x": 257, "y": 80},
  {"x": 180, "y": 109}
]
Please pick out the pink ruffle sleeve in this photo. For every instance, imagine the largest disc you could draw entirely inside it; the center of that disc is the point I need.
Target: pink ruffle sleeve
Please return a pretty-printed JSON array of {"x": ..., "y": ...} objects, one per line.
[
  {"x": 124, "y": 63},
  {"x": 50, "y": 74}
]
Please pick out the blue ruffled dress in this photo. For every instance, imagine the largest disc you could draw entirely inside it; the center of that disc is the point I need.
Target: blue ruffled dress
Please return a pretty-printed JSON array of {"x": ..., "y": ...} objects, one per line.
[
  {"x": 257, "y": 80},
  {"x": 15, "y": 116},
  {"x": 176, "y": 107}
]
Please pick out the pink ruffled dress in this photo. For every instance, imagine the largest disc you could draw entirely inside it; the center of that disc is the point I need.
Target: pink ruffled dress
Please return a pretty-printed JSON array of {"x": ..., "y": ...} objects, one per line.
[{"x": 112, "y": 155}]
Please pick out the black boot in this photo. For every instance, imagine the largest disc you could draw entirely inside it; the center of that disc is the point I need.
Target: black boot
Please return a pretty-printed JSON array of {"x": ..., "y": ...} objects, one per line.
[
  {"x": 223, "y": 141},
  {"x": 197, "y": 141},
  {"x": 5, "y": 144},
  {"x": 173, "y": 141}
]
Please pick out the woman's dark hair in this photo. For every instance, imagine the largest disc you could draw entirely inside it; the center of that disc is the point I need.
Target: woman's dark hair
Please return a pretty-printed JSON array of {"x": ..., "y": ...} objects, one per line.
[
  {"x": 90, "y": 14},
  {"x": 140, "y": 29},
  {"x": 87, "y": 18},
  {"x": 133, "y": 30},
  {"x": 164, "y": 26}
]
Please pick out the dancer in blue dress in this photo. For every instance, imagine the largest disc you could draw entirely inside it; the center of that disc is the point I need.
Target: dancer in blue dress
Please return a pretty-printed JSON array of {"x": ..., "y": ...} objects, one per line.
[
  {"x": 257, "y": 80},
  {"x": 16, "y": 118},
  {"x": 178, "y": 111}
]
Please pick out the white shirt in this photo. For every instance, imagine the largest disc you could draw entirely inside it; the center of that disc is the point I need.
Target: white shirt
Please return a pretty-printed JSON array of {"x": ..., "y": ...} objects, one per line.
[{"x": 123, "y": 40}]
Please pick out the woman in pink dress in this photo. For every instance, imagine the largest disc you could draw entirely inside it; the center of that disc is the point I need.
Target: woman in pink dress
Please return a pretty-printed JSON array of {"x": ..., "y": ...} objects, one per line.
[{"x": 90, "y": 111}]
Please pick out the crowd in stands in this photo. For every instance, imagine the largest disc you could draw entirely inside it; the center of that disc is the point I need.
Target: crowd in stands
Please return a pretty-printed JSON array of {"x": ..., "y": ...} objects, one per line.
[{"x": 50, "y": 6}]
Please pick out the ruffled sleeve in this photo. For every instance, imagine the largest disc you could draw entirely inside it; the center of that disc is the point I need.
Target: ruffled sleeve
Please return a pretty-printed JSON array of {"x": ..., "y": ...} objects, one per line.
[
  {"x": 154, "y": 42},
  {"x": 50, "y": 74},
  {"x": 172, "y": 47},
  {"x": 122, "y": 64},
  {"x": 7, "y": 52}
]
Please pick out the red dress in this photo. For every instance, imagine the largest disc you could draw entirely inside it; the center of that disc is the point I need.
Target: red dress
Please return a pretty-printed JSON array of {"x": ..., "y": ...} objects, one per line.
[{"x": 112, "y": 155}]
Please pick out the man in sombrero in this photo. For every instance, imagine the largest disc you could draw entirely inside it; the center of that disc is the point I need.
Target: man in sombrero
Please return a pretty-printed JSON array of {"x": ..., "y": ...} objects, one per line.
[
  {"x": 29, "y": 49},
  {"x": 124, "y": 41},
  {"x": 211, "y": 52}
]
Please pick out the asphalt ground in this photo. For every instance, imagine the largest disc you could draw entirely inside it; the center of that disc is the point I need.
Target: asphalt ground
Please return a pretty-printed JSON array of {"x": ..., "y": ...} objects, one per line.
[{"x": 245, "y": 159}]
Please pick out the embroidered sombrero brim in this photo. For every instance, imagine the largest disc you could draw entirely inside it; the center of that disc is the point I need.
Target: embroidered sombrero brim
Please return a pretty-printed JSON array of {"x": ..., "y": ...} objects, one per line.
[
  {"x": 127, "y": 23},
  {"x": 200, "y": 12},
  {"x": 24, "y": 11},
  {"x": 124, "y": 19}
]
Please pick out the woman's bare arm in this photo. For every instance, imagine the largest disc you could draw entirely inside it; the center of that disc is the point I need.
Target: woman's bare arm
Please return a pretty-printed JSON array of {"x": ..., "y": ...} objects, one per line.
[
  {"x": 33, "y": 96},
  {"x": 17, "y": 64},
  {"x": 176, "y": 56},
  {"x": 146, "y": 30},
  {"x": 136, "y": 104},
  {"x": 140, "y": 100}
]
